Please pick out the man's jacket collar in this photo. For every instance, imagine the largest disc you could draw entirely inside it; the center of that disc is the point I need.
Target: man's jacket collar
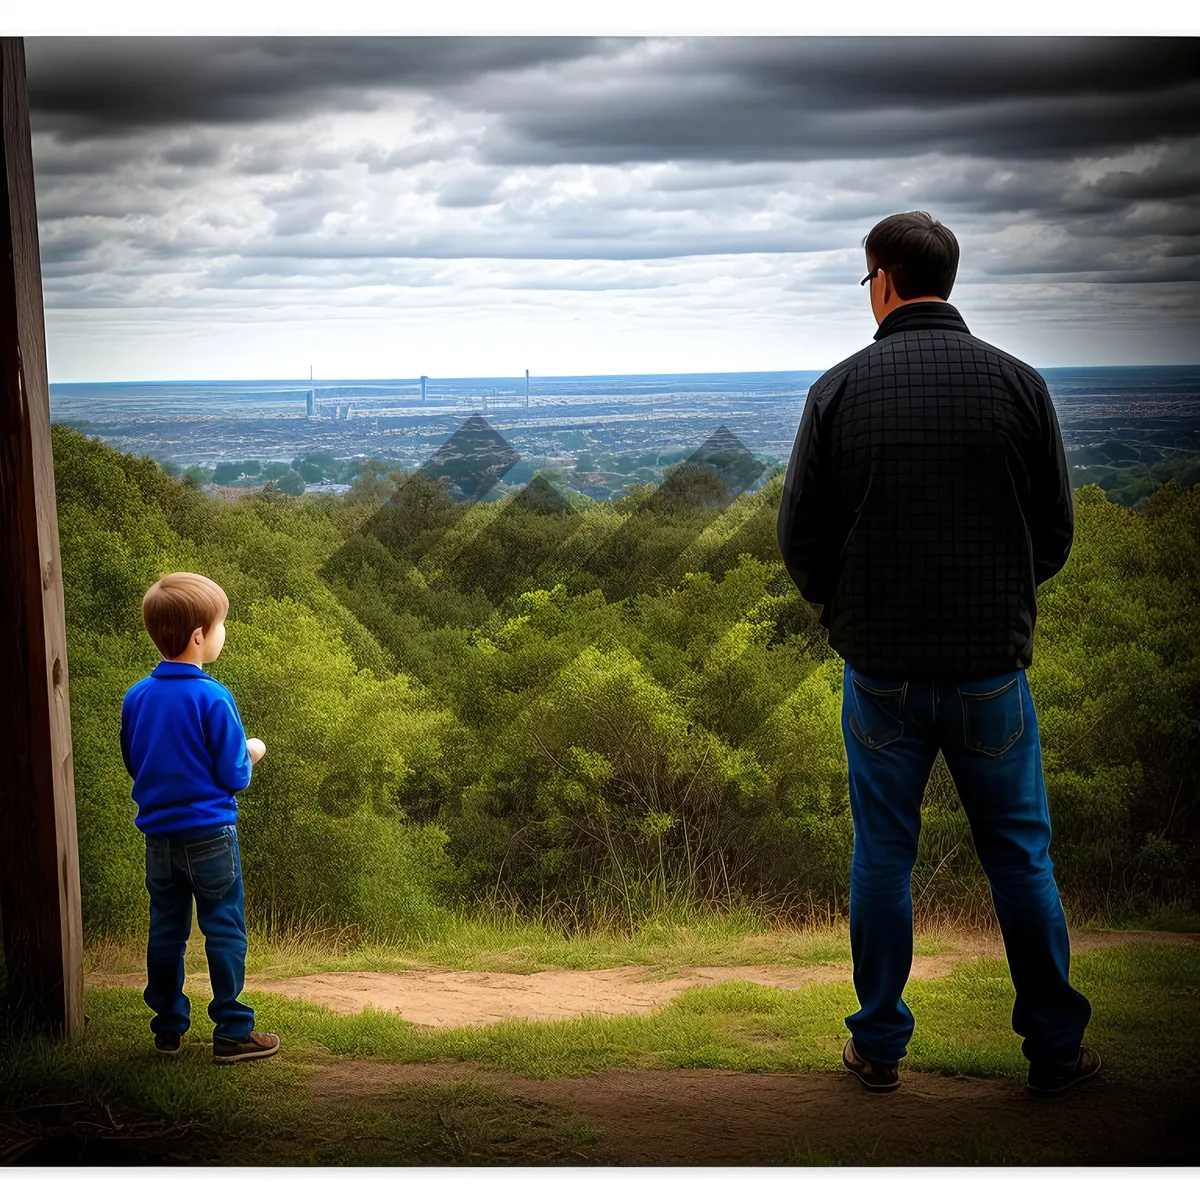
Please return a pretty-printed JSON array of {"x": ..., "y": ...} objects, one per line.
[
  {"x": 169, "y": 670},
  {"x": 925, "y": 314}
]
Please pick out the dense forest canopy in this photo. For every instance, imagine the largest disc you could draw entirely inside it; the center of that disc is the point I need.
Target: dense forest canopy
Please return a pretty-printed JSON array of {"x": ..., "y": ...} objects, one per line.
[{"x": 591, "y": 711}]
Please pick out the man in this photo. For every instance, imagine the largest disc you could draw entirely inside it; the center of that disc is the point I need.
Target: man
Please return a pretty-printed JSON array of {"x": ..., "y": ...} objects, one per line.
[{"x": 926, "y": 499}]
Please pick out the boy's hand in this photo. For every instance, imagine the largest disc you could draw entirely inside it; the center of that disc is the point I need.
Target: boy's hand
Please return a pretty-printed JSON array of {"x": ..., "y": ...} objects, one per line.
[{"x": 257, "y": 748}]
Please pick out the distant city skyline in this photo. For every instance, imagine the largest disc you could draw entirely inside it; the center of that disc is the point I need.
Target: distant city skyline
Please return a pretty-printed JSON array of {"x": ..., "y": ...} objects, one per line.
[{"x": 472, "y": 206}]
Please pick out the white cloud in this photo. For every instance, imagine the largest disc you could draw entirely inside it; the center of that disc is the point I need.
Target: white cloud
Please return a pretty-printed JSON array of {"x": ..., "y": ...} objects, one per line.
[{"x": 482, "y": 220}]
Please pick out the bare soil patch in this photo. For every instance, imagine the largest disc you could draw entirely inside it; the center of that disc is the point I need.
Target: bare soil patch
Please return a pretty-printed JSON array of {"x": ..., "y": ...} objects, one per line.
[
  {"x": 440, "y": 998},
  {"x": 445, "y": 999}
]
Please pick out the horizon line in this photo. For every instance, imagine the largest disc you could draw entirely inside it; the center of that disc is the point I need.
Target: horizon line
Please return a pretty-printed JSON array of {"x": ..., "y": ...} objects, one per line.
[{"x": 416, "y": 379}]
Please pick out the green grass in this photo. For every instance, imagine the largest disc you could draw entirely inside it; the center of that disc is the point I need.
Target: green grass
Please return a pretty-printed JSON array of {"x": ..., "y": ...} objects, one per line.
[
  {"x": 1146, "y": 1002},
  {"x": 1173, "y": 918},
  {"x": 963, "y": 1024},
  {"x": 523, "y": 947}
]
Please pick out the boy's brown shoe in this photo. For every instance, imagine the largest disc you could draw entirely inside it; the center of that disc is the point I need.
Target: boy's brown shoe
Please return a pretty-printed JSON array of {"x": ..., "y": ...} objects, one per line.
[
  {"x": 257, "y": 1045},
  {"x": 875, "y": 1077}
]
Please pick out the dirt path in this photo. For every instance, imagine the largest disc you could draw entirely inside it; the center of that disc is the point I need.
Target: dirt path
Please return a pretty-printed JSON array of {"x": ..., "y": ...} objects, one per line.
[
  {"x": 715, "y": 1118},
  {"x": 671, "y": 1117},
  {"x": 442, "y": 998}
]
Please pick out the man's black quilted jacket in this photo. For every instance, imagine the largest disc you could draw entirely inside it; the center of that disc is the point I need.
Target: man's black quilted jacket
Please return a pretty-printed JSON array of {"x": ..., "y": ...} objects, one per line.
[{"x": 926, "y": 499}]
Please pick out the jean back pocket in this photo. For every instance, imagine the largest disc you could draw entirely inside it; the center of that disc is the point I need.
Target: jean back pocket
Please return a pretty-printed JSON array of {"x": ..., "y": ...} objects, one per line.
[
  {"x": 213, "y": 864},
  {"x": 159, "y": 871},
  {"x": 877, "y": 718},
  {"x": 993, "y": 714}
]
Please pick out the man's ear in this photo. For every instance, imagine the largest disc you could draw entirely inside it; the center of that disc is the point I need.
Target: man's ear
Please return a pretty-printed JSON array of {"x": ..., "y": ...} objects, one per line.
[{"x": 888, "y": 291}]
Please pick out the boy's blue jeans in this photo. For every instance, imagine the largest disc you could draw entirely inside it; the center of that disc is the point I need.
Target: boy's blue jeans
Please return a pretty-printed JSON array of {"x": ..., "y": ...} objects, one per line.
[
  {"x": 209, "y": 868},
  {"x": 987, "y": 731}
]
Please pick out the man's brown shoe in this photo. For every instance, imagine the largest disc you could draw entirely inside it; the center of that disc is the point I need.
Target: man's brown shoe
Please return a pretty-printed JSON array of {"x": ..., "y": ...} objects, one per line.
[
  {"x": 167, "y": 1043},
  {"x": 875, "y": 1077},
  {"x": 257, "y": 1045},
  {"x": 1050, "y": 1078}
]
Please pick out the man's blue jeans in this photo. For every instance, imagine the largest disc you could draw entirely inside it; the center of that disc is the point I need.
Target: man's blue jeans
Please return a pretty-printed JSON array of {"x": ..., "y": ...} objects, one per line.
[
  {"x": 987, "y": 731},
  {"x": 210, "y": 869}
]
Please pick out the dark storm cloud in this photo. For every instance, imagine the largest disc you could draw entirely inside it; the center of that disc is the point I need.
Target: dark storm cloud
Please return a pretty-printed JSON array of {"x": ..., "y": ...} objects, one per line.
[
  {"x": 64, "y": 248},
  {"x": 1068, "y": 269},
  {"x": 754, "y": 128},
  {"x": 1163, "y": 197},
  {"x": 85, "y": 86},
  {"x": 91, "y": 158},
  {"x": 708, "y": 178},
  {"x": 729, "y": 99},
  {"x": 193, "y": 154},
  {"x": 1176, "y": 176},
  {"x": 756, "y": 100}
]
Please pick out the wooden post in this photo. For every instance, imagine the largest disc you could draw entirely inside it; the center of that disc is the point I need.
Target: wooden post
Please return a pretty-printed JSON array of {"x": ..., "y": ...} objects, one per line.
[{"x": 39, "y": 853}]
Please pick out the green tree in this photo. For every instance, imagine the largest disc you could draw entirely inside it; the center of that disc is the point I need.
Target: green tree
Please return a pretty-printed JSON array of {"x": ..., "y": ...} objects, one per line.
[
  {"x": 607, "y": 708},
  {"x": 226, "y": 472},
  {"x": 291, "y": 484},
  {"x": 372, "y": 488}
]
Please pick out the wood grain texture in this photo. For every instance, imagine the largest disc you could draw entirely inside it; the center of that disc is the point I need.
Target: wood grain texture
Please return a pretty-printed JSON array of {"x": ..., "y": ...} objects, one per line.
[{"x": 39, "y": 856}]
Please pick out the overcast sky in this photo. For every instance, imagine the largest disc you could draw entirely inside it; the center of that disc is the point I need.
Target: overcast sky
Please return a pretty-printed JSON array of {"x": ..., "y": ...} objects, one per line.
[{"x": 241, "y": 208}]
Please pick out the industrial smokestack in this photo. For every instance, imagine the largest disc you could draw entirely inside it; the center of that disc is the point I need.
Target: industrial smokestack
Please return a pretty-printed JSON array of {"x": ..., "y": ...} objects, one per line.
[{"x": 526, "y": 387}]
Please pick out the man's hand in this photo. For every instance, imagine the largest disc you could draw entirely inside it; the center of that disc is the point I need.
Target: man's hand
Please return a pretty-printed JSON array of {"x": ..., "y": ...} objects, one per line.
[{"x": 257, "y": 748}]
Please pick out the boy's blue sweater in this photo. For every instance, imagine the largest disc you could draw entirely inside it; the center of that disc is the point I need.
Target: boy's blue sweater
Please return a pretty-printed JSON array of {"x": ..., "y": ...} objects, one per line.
[{"x": 185, "y": 748}]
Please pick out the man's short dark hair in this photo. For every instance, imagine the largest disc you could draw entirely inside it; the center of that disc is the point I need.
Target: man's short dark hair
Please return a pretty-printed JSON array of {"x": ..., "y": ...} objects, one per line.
[{"x": 919, "y": 254}]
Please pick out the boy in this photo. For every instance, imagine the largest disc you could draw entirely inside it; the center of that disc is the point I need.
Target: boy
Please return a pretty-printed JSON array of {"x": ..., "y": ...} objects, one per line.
[{"x": 185, "y": 748}]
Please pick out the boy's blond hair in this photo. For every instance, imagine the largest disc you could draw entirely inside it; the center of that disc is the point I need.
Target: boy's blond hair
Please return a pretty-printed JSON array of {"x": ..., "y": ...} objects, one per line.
[{"x": 177, "y": 605}]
